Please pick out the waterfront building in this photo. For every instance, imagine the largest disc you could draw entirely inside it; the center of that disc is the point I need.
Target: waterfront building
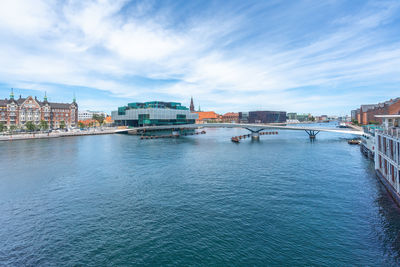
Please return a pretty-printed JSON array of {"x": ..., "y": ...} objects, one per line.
[
  {"x": 324, "y": 117},
  {"x": 87, "y": 114},
  {"x": 208, "y": 116},
  {"x": 263, "y": 116},
  {"x": 354, "y": 114},
  {"x": 231, "y": 117},
  {"x": 243, "y": 117},
  {"x": 17, "y": 112},
  {"x": 366, "y": 114},
  {"x": 292, "y": 116},
  {"x": 303, "y": 117},
  {"x": 153, "y": 113},
  {"x": 387, "y": 155}
]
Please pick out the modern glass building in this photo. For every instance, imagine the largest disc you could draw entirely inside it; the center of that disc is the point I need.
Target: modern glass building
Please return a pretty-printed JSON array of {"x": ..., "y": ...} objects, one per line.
[
  {"x": 263, "y": 116},
  {"x": 152, "y": 114}
]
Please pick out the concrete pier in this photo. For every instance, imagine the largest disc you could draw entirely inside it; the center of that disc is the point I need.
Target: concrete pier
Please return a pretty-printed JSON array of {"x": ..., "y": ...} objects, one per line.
[{"x": 255, "y": 135}]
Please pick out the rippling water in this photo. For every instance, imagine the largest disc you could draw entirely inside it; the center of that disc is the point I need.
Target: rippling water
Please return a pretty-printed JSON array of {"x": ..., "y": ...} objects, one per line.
[{"x": 199, "y": 200}]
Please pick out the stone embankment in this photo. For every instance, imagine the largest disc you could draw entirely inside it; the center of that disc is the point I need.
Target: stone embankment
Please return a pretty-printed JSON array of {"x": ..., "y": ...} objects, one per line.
[
  {"x": 355, "y": 127},
  {"x": 54, "y": 135}
]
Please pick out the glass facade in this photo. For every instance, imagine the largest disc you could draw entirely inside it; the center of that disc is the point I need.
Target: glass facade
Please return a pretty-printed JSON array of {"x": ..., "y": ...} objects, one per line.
[
  {"x": 263, "y": 116},
  {"x": 153, "y": 113}
]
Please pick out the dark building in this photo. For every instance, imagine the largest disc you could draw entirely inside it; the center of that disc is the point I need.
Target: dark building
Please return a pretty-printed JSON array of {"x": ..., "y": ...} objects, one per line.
[{"x": 263, "y": 117}]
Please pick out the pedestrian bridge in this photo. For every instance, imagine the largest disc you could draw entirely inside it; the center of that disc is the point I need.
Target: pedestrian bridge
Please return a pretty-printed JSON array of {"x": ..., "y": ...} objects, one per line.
[{"x": 253, "y": 128}]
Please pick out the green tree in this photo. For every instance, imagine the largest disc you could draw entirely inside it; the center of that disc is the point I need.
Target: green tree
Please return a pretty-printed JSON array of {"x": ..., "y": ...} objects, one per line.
[
  {"x": 12, "y": 129},
  {"x": 99, "y": 118},
  {"x": 30, "y": 126},
  {"x": 2, "y": 127},
  {"x": 44, "y": 125},
  {"x": 62, "y": 124},
  {"x": 81, "y": 125}
]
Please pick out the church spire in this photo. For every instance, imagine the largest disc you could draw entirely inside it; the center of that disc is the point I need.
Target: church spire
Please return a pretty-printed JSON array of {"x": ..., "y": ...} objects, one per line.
[
  {"x": 74, "y": 99},
  {"x": 191, "y": 105},
  {"x": 12, "y": 94},
  {"x": 45, "y": 96}
]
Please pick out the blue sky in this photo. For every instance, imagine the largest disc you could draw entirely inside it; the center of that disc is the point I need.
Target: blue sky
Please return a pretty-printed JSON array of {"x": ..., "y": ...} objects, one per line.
[{"x": 323, "y": 57}]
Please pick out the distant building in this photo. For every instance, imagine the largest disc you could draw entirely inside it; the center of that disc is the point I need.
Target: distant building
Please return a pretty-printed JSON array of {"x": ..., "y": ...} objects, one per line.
[
  {"x": 263, "y": 116},
  {"x": 324, "y": 118},
  {"x": 354, "y": 114},
  {"x": 303, "y": 117},
  {"x": 17, "y": 112},
  {"x": 230, "y": 117},
  {"x": 87, "y": 114},
  {"x": 153, "y": 113},
  {"x": 243, "y": 117},
  {"x": 208, "y": 116},
  {"x": 291, "y": 116},
  {"x": 366, "y": 113}
]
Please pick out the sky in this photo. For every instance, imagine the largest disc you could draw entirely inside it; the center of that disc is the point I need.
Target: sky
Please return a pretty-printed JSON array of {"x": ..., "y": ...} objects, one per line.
[{"x": 319, "y": 57}]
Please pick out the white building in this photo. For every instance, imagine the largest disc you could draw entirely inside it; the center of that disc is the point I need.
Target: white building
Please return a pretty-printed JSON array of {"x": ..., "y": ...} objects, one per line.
[
  {"x": 387, "y": 154},
  {"x": 87, "y": 114}
]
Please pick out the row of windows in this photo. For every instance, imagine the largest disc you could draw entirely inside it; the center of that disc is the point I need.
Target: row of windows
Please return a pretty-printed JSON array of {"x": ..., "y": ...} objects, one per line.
[
  {"x": 389, "y": 147},
  {"x": 390, "y": 172}
]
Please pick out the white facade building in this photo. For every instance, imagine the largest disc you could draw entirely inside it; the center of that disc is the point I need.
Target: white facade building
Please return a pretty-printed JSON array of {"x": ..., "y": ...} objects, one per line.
[
  {"x": 87, "y": 114},
  {"x": 387, "y": 154}
]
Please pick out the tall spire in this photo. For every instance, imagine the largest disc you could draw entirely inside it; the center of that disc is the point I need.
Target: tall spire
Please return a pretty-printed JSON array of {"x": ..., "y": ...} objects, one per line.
[
  {"x": 12, "y": 94},
  {"x": 74, "y": 99},
  {"x": 45, "y": 96},
  {"x": 191, "y": 105}
]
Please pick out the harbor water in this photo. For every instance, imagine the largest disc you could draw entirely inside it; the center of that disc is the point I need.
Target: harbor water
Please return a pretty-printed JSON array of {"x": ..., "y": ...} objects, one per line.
[{"x": 117, "y": 200}]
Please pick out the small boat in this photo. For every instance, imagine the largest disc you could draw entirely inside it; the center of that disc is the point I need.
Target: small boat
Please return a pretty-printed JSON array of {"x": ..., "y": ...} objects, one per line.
[
  {"x": 235, "y": 139},
  {"x": 354, "y": 142}
]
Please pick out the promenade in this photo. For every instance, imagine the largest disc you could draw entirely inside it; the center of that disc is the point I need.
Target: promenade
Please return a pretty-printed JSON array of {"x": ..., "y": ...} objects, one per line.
[{"x": 27, "y": 136}]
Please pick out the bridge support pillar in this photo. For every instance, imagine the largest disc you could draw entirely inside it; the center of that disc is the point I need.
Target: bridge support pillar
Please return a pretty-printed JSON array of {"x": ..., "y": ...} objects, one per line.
[
  {"x": 255, "y": 136},
  {"x": 312, "y": 134}
]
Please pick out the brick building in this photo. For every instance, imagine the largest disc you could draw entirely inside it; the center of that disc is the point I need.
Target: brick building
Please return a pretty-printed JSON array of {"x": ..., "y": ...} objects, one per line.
[
  {"x": 366, "y": 113},
  {"x": 230, "y": 117},
  {"x": 17, "y": 112}
]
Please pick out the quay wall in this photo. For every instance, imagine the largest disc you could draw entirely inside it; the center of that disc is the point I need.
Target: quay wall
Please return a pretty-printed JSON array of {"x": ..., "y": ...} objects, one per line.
[{"x": 51, "y": 135}]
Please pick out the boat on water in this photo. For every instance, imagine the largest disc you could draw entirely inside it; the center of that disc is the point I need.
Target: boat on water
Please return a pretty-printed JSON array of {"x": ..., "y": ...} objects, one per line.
[
  {"x": 235, "y": 139},
  {"x": 354, "y": 142},
  {"x": 342, "y": 125}
]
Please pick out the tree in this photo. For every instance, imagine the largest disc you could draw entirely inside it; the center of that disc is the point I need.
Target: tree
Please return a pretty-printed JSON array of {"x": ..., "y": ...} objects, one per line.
[
  {"x": 2, "y": 127},
  {"x": 12, "y": 129},
  {"x": 30, "y": 126},
  {"x": 62, "y": 124},
  {"x": 44, "y": 125},
  {"x": 81, "y": 125},
  {"x": 99, "y": 118}
]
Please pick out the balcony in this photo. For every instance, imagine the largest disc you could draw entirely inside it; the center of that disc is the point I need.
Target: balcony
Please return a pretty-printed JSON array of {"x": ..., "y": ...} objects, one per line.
[{"x": 391, "y": 132}]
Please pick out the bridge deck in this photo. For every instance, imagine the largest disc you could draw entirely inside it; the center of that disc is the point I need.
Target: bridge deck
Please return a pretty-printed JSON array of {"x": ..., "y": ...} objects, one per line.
[{"x": 251, "y": 127}]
